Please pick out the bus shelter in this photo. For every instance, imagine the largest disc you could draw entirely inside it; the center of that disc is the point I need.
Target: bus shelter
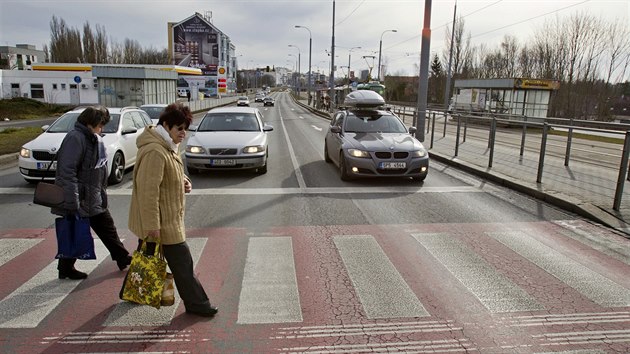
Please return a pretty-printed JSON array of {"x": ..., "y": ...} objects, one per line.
[{"x": 513, "y": 96}]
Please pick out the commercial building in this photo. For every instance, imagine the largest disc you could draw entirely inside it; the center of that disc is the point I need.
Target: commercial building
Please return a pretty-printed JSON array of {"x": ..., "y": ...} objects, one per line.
[{"x": 195, "y": 42}]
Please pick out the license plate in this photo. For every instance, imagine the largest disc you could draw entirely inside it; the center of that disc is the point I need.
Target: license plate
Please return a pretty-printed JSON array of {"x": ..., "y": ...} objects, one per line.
[
  {"x": 44, "y": 165},
  {"x": 223, "y": 162},
  {"x": 392, "y": 165}
]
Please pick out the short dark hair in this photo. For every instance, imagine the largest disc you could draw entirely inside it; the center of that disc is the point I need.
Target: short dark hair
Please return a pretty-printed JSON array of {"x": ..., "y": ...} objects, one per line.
[
  {"x": 175, "y": 114},
  {"x": 93, "y": 116}
]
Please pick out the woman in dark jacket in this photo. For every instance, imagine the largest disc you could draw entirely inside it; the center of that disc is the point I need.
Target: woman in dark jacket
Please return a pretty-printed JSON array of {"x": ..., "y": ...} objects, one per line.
[{"x": 82, "y": 173}]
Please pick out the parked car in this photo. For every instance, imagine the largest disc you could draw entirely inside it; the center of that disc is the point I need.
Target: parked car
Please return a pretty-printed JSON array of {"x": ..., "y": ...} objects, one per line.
[
  {"x": 154, "y": 111},
  {"x": 229, "y": 138},
  {"x": 242, "y": 101},
  {"x": 119, "y": 136},
  {"x": 364, "y": 140},
  {"x": 269, "y": 101}
]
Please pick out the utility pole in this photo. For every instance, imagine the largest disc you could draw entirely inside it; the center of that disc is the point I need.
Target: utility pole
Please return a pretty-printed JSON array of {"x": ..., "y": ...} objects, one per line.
[
  {"x": 447, "y": 90},
  {"x": 331, "y": 80},
  {"x": 423, "y": 79}
]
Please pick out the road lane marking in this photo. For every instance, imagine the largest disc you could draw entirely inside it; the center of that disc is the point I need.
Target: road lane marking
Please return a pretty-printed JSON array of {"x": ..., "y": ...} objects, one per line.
[
  {"x": 587, "y": 282},
  {"x": 287, "y": 191},
  {"x": 317, "y": 128},
  {"x": 130, "y": 314},
  {"x": 296, "y": 166},
  {"x": 460, "y": 345},
  {"x": 495, "y": 292},
  {"x": 13, "y": 247},
  {"x": 269, "y": 292},
  {"x": 568, "y": 319},
  {"x": 381, "y": 289},
  {"x": 29, "y": 304},
  {"x": 367, "y": 329}
]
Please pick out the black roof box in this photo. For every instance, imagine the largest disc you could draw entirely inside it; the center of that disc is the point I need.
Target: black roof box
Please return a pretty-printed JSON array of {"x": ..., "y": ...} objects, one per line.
[{"x": 363, "y": 99}]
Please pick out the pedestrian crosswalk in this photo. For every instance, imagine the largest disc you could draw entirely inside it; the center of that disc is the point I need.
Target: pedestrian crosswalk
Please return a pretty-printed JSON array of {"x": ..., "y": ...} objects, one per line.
[{"x": 395, "y": 278}]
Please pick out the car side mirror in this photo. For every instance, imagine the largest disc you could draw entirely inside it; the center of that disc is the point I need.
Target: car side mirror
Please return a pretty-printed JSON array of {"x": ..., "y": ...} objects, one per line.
[
  {"x": 267, "y": 128},
  {"x": 193, "y": 128},
  {"x": 412, "y": 130},
  {"x": 335, "y": 129},
  {"x": 45, "y": 127}
]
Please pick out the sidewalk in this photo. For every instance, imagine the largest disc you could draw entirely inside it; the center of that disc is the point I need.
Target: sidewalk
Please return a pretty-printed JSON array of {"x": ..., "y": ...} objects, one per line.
[{"x": 587, "y": 189}]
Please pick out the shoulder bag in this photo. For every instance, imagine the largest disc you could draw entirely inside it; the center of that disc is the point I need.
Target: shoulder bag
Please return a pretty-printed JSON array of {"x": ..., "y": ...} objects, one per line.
[{"x": 48, "y": 194}]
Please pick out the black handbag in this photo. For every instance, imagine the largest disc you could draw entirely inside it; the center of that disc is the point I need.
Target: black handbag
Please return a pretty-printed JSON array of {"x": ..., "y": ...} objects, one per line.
[{"x": 48, "y": 194}]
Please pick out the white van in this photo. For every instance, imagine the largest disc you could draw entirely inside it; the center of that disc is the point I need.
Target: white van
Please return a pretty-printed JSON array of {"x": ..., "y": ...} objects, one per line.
[{"x": 182, "y": 92}]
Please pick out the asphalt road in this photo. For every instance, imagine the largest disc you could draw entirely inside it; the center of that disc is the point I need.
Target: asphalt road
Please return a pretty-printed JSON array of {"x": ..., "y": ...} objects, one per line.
[{"x": 299, "y": 261}]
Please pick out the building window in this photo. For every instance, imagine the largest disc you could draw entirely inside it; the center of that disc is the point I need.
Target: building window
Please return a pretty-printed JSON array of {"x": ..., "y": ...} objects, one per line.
[
  {"x": 37, "y": 90},
  {"x": 63, "y": 86},
  {"x": 15, "y": 86},
  {"x": 54, "y": 86}
]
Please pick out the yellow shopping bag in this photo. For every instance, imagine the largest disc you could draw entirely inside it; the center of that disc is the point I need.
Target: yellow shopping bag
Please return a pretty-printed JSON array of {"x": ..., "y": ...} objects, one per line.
[{"x": 144, "y": 282}]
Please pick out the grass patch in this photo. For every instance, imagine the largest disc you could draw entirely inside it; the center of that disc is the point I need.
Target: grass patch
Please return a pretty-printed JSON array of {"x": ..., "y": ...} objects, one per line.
[
  {"x": 12, "y": 139},
  {"x": 20, "y": 108},
  {"x": 603, "y": 139}
]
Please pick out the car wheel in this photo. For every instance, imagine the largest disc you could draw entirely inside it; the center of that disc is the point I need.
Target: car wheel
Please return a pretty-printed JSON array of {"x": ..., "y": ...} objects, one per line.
[
  {"x": 262, "y": 170},
  {"x": 326, "y": 156},
  {"x": 343, "y": 169},
  {"x": 118, "y": 168}
]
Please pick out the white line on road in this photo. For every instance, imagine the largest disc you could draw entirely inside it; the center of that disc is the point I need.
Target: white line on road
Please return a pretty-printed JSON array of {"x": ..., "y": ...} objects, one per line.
[
  {"x": 296, "y": 166},
  {"x": 288, "y": 191},
  {"x": 317, "y": 128}
]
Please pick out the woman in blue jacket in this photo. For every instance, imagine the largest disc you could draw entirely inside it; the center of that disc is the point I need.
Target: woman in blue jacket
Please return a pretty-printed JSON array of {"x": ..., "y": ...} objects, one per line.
[{"x": 82, "y": 173}]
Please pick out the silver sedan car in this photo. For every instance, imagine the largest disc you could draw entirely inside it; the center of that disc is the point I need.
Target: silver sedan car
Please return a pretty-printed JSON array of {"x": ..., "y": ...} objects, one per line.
[
  {"x": 365, "y": 141},
  {"x": 229, "y": 138}
]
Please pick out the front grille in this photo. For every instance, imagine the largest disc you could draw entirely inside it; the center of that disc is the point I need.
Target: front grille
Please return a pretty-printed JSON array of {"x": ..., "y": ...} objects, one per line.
[
  {"x": 222, "y": 151},
  {"x": 383, "y": 154},
  {"x": 392, "y": 172},
  {"x": 401, "y": 155},
  {"x": 43, "y": 155}
]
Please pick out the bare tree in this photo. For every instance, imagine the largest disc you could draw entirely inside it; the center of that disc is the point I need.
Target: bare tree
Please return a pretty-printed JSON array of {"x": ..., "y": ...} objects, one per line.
[
  {"x": 65, "y": 43},
  {"x": 461, "y": 48},
  {"x": 132, "y": 51},
  {"x": 100, "y": 45},
  {"x": 89, "y": 44}
]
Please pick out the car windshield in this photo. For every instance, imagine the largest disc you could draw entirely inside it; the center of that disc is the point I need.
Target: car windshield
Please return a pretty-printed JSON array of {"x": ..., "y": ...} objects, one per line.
[
  {"x": 373, "y": 122},
  {"x": 221, "y": 122},
  {"x": 153, "y": 112},
  {"x": 66, "y": 123}
]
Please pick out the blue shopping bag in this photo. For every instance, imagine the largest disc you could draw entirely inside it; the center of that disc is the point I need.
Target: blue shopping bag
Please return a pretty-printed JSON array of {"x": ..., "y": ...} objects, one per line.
[{"x": 74, "y": 238}]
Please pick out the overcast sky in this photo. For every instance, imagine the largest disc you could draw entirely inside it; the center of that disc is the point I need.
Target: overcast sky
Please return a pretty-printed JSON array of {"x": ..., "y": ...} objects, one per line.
[{"x": 262, "y": 30}]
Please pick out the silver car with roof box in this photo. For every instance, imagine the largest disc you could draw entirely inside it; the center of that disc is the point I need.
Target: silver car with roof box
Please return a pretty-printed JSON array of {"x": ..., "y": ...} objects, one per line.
[{"x": 366, "y": 140}]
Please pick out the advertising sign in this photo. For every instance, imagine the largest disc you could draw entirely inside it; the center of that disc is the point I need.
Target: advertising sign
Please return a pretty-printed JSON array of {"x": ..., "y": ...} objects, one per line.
[
  {"x": 196, "y": 44},
  {"x": 221, "y": 80}
]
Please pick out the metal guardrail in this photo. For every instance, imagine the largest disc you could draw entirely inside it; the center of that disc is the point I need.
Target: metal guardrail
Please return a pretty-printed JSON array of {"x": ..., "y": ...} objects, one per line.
[
  {"x": 209, "y": 102},
  {"x": 544, "y": 125}
]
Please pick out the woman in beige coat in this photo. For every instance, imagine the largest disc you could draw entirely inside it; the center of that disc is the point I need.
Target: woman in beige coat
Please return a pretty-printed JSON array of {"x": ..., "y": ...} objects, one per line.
[{"x": 157, "y": 202}]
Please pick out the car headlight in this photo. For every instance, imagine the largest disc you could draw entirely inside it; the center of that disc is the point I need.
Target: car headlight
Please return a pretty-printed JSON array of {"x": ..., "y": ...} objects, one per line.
[
  {"x": 418, "y": 153},
  {"x": 193, "y": 149},
  {"x": 25, "y": 153},
  {"x": 253, "y": 149},
  {"x": 358, "y": 153}
]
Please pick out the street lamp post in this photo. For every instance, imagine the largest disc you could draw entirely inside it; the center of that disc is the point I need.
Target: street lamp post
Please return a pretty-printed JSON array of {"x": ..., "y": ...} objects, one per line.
[
  {"x": 380, "y": 49},
  {"x": 295, "y": 68},
  {"x": 350, "y": 52},
  {"x": 299, "y": 83},
  {"x": 310, "y": 46}
]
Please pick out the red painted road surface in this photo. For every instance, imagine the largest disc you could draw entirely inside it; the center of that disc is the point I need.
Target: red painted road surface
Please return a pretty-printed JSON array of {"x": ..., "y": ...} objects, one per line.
[{"x": 435, "y": 261}]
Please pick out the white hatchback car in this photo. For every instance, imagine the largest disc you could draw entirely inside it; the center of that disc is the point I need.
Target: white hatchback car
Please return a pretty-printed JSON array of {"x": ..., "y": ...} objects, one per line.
[
  {"x": 229, "y": 138},
  {"x": 119, "y": 136}
]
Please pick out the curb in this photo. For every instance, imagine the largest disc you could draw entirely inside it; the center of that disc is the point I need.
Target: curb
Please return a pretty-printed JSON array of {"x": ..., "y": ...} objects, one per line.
[
  {"x": 9, "y": 159},
  {"x": 581, "y": 208}
]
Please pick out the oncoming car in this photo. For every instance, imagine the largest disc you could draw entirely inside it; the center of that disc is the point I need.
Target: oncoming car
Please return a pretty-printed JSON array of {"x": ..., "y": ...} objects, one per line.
[
  {"x": 364, "y": 140},
  {"x": 119, "y": 136},
  {"x": 269, "y": 101},
  {"x": 154, "y": 111},
  {"x": 229, "y": 138},
  {"x": 242, "y": 101}
]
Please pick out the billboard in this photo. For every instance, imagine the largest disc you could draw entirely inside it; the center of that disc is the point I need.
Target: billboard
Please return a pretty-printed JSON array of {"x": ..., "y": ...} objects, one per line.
[{"x": 196, "y": 44}]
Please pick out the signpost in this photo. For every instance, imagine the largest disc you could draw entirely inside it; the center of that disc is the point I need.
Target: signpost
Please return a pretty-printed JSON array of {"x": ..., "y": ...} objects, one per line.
[{"x": 221, "y": 81}]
